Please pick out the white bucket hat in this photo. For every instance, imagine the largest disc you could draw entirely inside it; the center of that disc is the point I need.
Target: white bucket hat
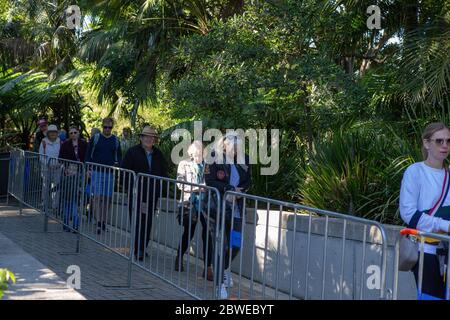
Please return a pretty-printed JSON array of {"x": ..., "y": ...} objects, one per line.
[{"x": 52, "y": 127}]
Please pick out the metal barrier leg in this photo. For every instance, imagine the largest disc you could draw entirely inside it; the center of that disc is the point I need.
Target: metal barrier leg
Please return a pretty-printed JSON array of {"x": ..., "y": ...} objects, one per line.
[
  {"x": 396, "y": 271},
  {"x": 45, "y": 220},
  {"x": 132, "y": 233},
  {"x": 78, "y": 247}
]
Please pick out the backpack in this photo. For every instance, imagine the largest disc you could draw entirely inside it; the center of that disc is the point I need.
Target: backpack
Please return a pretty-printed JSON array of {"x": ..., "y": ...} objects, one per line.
[{"x": 96, "y": 138}]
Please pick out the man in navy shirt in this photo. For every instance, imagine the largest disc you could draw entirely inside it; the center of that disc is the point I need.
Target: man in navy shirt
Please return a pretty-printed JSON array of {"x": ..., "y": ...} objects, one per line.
[{"x": 104, "y": 149}]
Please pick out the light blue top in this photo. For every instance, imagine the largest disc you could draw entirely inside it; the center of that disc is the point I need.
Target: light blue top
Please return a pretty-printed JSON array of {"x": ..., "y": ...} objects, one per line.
[{"x": 234, "y": 181}]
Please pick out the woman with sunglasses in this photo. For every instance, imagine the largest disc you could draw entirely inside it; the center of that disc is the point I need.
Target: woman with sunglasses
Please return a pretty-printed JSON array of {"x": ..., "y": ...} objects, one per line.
[
  {"x": 425, "y": 205},
  {"x": 104, "y": 153},
  {"x": 73, "y": 149}
]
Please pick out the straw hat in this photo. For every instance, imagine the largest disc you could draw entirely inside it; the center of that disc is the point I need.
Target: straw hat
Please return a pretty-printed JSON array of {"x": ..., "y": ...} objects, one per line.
[{"x": 149, "y": 131}]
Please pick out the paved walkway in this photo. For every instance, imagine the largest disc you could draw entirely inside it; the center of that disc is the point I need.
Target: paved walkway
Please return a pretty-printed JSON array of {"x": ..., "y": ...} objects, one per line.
[
  {"x": 40, "y": 260},
  {"x": 33, "y": 280}
]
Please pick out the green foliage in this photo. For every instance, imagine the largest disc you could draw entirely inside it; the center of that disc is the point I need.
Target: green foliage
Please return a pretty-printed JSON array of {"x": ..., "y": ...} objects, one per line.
[
  {"x": 6, "y": 277},
  {"x": 243, "y": 75},
  {"x": 358, "y": 170},
  {"x": 311, "y": 69}
]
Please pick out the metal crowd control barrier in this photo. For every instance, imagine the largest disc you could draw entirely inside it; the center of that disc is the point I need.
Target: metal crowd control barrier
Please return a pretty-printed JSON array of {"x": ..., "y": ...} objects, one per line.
[
  {"x": 90, "y": 200},
  {"x": 50, "y": 185},
  {"x": 34, "y": 168},
  {"x": 159, "y": 239},
  {"x": 443, "y": 254},
  {"x": 4, "y": 172},
  {"x": 273, "y": 258},
  {"x": 51, "y": 170},
  {"x": 16, "y": 175},
  {"x": 107, "y": 206},
  {"x": 143, "y": 218},
  {"x": 62, "y": 192}
]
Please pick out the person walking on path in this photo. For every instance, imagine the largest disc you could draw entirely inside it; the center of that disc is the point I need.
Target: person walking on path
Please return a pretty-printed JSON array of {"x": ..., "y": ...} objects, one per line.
[
  {"x": 40, "y": 134},
  {"x": 50, "y": 168},
  {"x": 146, "y": 158},
  {"x": 425, "y": 205},
  {"x": 191, "y": 210},
  {"x": 73, "y": 149},
  {"x": 234, "y": 176},
  {"x": 103, "y": 149}
]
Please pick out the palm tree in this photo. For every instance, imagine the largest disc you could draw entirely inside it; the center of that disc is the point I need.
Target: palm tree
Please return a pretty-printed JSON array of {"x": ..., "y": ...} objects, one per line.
[
  {"x": 39, "y": 48},
  {"x": 131, "y": 42}
]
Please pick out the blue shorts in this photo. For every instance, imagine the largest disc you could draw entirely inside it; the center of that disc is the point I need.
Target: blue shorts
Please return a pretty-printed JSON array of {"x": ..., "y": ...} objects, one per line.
[{"x": 102, "y": 183}]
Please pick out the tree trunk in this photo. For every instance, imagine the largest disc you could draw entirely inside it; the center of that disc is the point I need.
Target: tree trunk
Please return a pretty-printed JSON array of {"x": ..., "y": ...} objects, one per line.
[
  {"x": 309, "y": 128},
  {"x": 411, "y": 16},
  {"x": 231, "y": 8}
]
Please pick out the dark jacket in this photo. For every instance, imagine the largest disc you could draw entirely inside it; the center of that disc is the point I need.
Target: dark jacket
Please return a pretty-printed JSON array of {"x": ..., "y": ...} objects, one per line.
[
  {"x": 67, "y": 150},
  {"x": 212, "y": 178},
  {"x": 136, "y": 160},
  {"x": 37, "y": 140}
]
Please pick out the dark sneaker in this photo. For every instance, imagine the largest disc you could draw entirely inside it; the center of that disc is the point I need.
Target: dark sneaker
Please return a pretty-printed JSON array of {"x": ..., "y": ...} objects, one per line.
[{"x": 209, "y": 274}]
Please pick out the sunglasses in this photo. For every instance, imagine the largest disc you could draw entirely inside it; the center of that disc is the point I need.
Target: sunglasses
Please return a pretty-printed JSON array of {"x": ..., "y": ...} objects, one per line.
[
  {"x": 74, "y": 132},
  {"x": 107, "y": 127},
  {"x": 440, "y": 141}
]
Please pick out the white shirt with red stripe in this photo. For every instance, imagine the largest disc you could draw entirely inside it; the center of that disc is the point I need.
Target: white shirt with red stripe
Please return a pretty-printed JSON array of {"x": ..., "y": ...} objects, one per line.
[{"x": 421, "y": 189}]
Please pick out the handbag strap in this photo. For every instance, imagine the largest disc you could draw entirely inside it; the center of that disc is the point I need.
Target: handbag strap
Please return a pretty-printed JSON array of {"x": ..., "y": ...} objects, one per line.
[{"x": 440, "y": 201}]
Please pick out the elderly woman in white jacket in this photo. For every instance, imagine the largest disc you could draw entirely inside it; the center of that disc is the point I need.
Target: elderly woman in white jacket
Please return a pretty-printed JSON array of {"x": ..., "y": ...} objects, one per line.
[
  {"x": 191, "y": 170},
  {"x": 50, "y": 166}
]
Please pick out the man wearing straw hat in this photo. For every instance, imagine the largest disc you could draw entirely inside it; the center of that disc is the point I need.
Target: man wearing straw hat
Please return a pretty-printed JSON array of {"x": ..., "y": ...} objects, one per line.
[{"x": 148, "y": 159}]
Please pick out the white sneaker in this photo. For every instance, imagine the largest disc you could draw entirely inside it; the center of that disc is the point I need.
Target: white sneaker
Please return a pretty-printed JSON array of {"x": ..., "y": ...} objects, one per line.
[
  {"x": 227, "y": 279},
  {"x": 222, "y": 292}
]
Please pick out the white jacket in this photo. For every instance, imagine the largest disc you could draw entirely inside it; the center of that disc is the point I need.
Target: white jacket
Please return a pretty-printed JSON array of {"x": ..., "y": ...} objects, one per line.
[
  {"x": 420, "y": 190},
  {"x": 51, "y": 149},
  {"x": 50, "y": 166},
  {"x": 187, "y": 172}
]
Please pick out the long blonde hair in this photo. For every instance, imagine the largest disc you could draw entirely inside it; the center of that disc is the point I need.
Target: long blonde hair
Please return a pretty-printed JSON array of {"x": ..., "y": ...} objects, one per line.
[{"x": 431, "y": 129}]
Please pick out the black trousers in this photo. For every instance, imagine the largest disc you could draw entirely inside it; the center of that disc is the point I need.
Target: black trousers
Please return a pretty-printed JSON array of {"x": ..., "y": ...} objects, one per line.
[
  {"x": 432, "y": 282},
  {"x": 143, "y": 226},
  {"x": 229, "y": 247},
  {"x": 188, "y": 234}
]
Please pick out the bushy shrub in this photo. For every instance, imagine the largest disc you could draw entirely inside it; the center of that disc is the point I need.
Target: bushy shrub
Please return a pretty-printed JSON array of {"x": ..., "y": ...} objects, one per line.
[
  {"x": 358, "y": 171},
  {"x": 6, "y": 277}
]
